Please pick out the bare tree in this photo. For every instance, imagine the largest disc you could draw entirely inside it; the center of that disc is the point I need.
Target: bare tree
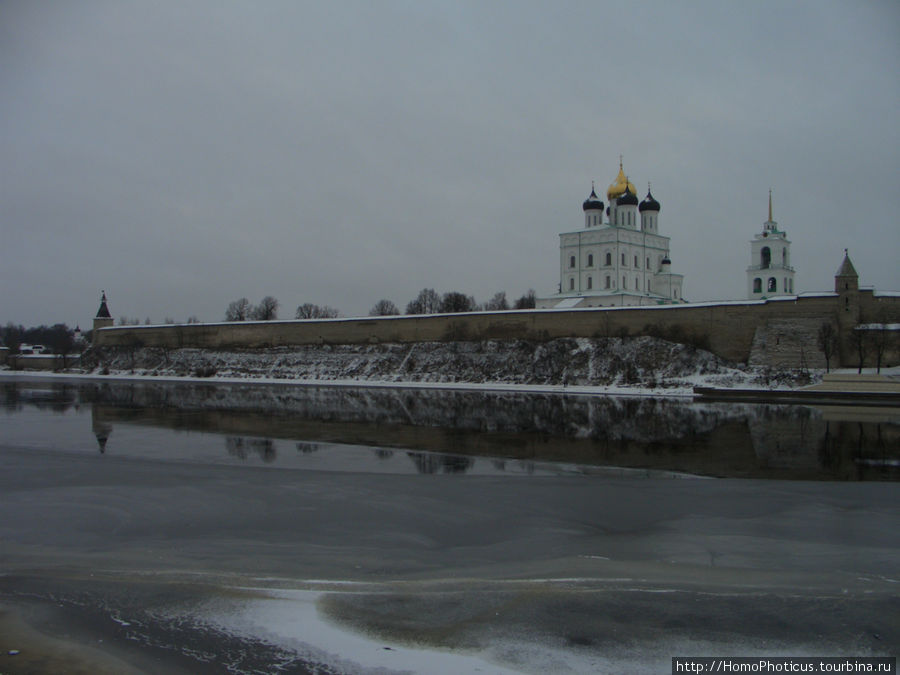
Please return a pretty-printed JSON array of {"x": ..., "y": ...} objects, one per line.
[
  {"x": 266, "y": 310},
  {"x": 498, "y": 303},
  {"x": 193, "y": 318},
  {"x": 527, "y": 301},
  {"x": 859, "y": 339},
  {"x": 880, "y": 339},
  {"x": 384, "y": 308},
  {"x": 309, "y": 310},
  {"x": 827, "y": 341},
  {"x": 454, "y": 301},
  {"x": 238, "y": 310},
  {"x": 427, "y": 302}
]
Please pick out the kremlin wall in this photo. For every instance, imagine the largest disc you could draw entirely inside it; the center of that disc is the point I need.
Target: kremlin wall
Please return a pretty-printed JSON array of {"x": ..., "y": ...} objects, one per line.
[{"x": 780, "y": 332}]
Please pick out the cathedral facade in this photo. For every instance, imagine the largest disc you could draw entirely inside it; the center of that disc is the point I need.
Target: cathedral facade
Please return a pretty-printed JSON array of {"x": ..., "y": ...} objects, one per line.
[{"x": 619, "y": 258}]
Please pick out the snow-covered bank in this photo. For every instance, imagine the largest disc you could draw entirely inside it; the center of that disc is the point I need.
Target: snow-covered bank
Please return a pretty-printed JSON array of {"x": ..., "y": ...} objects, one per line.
[{"x": 643, "y": 365}]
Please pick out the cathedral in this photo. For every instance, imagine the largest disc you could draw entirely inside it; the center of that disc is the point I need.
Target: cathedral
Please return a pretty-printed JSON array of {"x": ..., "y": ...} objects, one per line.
[{"x": 617, "y": 260}]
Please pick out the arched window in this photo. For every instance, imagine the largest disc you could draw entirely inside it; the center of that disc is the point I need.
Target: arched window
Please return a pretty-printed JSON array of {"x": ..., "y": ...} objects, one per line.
[
  {"x": 757, "y": 285},
  {"x": 784, "y": 256},
  {"x": 648, "y": 262},
  {"x": 572, "y": 261},
  {"x": 637, "y": 283},
  {"x": 623, "y": 258},
  {"x": 608, "y": 258},
  {"x": 675, "y": 294},
  {"x": 607, "y": 281},
  {"x": 624, "y": 283},
  {"x": 590, "y": 282},
  {"x": 765, "y": 257},
  {"x": 571, "y": 284},
  {"x": 590, "y": 260},
  {"x": 773, "y": 285}
]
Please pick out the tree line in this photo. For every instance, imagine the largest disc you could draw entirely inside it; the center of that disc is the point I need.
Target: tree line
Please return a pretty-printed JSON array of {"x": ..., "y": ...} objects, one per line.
[
  {"x": 58, "y": 338},
  {"x": 428, "y": 301}
]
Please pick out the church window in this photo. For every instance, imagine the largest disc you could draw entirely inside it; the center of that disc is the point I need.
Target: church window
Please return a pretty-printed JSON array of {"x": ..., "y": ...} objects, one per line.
[
  {"x": 784, "y": 256},
  {"x": 773, "y": 285},
  {"x": 637, "y": 283},
  {"x": 608, "y": 258},
  {"x": 590, "y": 260},
  {"x": 572, "y": 261},
  {"x": 791, "y": 283},
  {"x": 765, "y": 257},
  {"x": 624, "y": 283},
  {"x": 607, "y": 281},
  {"x": 590, "y": 282},
  {"x": 636, "y": 264},
  {"x": 623, "y": 258},
  {"x": 648, "y": 262},
  {"x": 571, "y": 284},
  {"x": 675, "y": 293},
  {"x": 757, "y": 285}
]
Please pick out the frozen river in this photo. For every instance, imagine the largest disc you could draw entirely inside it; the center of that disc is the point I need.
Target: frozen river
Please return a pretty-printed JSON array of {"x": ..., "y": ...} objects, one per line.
[{"x": 205, "y": 528}]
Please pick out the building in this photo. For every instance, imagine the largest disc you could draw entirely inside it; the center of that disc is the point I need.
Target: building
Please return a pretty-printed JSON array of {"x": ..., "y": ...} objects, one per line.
[
  {"x": 770, "y": 273},
  {"x": 619, "y": 260},
  {"x": 104, "y": 318}
]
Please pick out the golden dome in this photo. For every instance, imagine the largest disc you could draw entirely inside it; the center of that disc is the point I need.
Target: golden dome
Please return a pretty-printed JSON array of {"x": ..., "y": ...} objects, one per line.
[{"x": 620, "y": 186}]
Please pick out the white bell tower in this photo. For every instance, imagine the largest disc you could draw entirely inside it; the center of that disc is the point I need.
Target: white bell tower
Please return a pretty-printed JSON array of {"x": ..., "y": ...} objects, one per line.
[{"x": 770, "y": 273}]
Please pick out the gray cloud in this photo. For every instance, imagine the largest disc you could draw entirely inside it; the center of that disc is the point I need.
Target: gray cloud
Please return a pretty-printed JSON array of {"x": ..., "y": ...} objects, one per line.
[{"x": 182, "y": 155}]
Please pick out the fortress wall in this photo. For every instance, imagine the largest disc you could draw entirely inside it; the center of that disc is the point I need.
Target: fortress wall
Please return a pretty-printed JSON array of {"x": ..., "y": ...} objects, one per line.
[{"x": 727, "y": 329}]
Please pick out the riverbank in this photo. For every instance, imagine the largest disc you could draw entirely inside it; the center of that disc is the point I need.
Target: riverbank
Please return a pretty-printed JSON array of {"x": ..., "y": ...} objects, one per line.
[{"x": 605, "y": 366}]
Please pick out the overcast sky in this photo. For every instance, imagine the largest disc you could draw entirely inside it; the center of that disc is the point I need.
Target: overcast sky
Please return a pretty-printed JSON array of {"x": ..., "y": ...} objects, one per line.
[{"x": 181, "y": 155}]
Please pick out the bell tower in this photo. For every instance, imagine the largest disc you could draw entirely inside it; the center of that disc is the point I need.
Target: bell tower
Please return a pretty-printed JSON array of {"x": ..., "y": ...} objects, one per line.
[{"x": 770, "y": 273}]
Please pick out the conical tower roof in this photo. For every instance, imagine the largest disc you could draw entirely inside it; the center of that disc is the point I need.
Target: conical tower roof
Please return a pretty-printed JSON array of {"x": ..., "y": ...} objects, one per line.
[
  {"x": 103, "y": 312},
  {"x": 847, "y": 269}
]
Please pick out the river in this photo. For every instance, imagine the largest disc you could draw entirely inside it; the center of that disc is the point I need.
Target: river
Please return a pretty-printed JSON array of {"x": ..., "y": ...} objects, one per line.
[{"x": 226, "y": 527}]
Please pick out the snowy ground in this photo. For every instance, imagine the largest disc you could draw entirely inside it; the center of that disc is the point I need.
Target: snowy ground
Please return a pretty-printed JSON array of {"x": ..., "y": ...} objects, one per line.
[{"x": 642, "y": 365}]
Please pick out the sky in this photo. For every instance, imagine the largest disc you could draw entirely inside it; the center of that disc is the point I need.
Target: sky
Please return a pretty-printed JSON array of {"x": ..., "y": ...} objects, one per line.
[{"x": 183, "y": 155}]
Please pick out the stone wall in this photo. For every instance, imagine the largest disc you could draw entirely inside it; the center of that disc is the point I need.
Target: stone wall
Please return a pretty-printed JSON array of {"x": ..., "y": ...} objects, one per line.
[{"x": 727, "y": 329}]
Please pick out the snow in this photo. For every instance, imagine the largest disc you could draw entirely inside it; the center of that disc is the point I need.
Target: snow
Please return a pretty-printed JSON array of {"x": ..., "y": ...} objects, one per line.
[
  {"x": 625, "y": 366},
  {"x": 290, "y": 619},
  {"x": 642, "y": 366}
]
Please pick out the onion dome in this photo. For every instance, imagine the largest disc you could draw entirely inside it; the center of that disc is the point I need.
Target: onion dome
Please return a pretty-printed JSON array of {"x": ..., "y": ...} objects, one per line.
[
  {"x": 628, "y": 198},
  {"x": 592, "y": 203},
  {"x": 621, "y": 186},
  {"x": 649, "y": 203}
]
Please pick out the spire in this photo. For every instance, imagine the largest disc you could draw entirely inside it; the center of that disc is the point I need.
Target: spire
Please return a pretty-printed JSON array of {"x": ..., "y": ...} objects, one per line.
[{"x": 770, "y": 205}]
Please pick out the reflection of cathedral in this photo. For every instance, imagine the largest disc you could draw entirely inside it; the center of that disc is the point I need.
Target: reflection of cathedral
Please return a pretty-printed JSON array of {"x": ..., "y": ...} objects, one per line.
[
  {"x": 622, "y": 260},
  {"x": 770, "y": 273}
]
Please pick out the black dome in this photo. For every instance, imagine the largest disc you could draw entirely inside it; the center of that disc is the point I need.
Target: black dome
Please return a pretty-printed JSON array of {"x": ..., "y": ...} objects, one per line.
[
  {"x": 649, "y": 203},
  {"x": 627, "y": 199},
  {"x": 592, "y": 203}
]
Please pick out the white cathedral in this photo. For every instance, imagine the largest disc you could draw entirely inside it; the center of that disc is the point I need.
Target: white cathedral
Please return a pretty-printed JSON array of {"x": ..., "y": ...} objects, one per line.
[{"x": 622, "y": 261}]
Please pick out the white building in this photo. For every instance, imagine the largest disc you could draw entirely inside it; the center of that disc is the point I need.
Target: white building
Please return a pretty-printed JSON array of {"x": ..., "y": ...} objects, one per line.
[
  {"x": 770, "y": 273},
  {"x": 617, "y": 262}
]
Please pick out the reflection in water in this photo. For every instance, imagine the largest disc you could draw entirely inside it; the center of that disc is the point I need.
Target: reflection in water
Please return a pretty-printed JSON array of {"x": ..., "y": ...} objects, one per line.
[
  {"x": 443, "y": 430},
  {"x": 101, "y": 430},
  {"x": 307, "y": 448},
  {"x": 430, "y": 462},
  {"x": 243, "y": 447}
]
